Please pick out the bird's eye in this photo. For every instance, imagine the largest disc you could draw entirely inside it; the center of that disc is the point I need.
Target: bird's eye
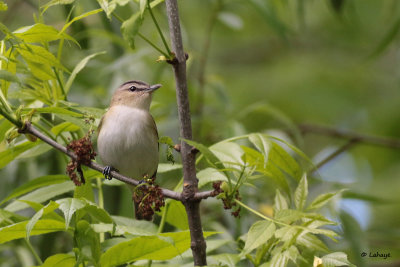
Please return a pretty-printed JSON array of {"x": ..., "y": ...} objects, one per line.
[{"x": 132, "y": 88}]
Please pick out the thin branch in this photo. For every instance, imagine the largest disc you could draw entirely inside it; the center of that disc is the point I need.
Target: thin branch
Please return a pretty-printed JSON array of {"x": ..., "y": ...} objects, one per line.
[
  {"x": 29, "y": 128},
  {"x": 336, "y": 153},
  {"x": 190, "y": 183},
  {"x": 361, "y": 138}
]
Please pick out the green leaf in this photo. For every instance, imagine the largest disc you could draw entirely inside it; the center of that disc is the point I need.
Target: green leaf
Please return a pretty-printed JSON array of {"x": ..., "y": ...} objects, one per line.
[
  {"x": 262, "y": 143},
  {"x": 64, "y": 127},
  {"x": 210, "y": 175},
  {"x": 7, "y": 218},
  {"x": 148, "y": 247},
  {"x": 142, "y": 6},
  {"x": 51, "y": 206},
  {"x": 321, "y": 200},
  {"x": 310, "y": 241},
  {"x": 35, "y": 184},
  {"x": 96, "y": 212},
  {"x": 226, "y": 259},
  {"x": 281, "y": 159},
  {"x": 130, "y": 28},
  {"x": 176, "y": 215},
  {"x": 12, "y": 152},
  {"x": 60, "y": 260},
  {"x": 56, "y": 2},
  {"x": 3, "y": 6},
  {"x": 165, "y": 167},
  {"x": 18, "y": 230},
  {"x": 259, "y": 233},
  {"x": 78, "y": 68},
  {"x": 107, "y": 6},
  {"x": 39, "y": 55},
  {"x": 288, "y": 216},
  {"x": 41, "y": 148},
  {"x": 41, "y": 195},
  {"x": 58, "y": 110},
  {"x": 40, "y": 33},
  {"x": 88, "y": 242},
  {"x": 208, "y": 154},
  {"x": 336, "y": 259},
  {"x": 84, "y": 15},
  {"x": 68, "y": 206},
  {"x": 280, "y": 202},
  {"x": 301, "y": 193},
  {"x": 8, "y": 76}
]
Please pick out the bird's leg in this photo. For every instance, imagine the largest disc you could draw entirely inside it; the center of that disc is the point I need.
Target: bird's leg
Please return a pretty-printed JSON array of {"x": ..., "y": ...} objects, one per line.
[{"x": 107, "y": 172}]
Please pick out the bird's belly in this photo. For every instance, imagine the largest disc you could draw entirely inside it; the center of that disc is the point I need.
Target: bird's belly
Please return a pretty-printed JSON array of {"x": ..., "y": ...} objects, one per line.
[{"x": 128, "y": 146}]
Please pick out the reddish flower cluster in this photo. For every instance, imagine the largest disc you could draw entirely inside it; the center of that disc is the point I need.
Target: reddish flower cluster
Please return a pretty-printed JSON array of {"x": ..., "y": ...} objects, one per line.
[
  {"x": 230, "y": 204},
  {"x": 150, "y": 198},
  {"x": 217, "y": 188},
  {"x": 83, "y": 149}
]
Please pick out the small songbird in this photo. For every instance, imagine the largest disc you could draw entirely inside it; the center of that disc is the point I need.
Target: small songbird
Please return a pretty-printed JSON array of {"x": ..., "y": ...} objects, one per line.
[{"x": 127, "y": 134}]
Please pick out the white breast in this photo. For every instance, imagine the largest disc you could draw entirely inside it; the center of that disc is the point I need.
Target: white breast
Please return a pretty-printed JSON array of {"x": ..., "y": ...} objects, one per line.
[{"x": 128, "y": 142}]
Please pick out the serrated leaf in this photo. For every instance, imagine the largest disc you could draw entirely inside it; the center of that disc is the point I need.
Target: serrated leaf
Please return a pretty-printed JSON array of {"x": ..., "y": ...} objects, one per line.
[
  {"x": 60, "y": 260},
  {"x": 321, "y": 200},
  {"x": 288, "y": 216},
  {"x": 336, "y": 259},
  {"x": 148, "y": 247},
  {"x": 78, "y": 68},
  {"x": 18, "y": 230},
  {"x": 280, "y": 202},
  {"x": 40, "y": 33},
  {"x": 284, "y": 161},
  {"x": 51, "y": 206},
  {"x": 208, "y": 154},
  {"x": 35, "y": 184},
  {"x": 259, "y": 233},
  {"x": 301, "y": 193}
]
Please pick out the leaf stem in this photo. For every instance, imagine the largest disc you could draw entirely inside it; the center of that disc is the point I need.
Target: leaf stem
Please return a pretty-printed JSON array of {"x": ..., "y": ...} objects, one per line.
[
  {"x": 101, "y": 201},
  {"x": 32, "y": 250},
  {"x": 11, "y": 118},
  {"x": 158, "y": 29},
  {"x": 153, "y": 45}
]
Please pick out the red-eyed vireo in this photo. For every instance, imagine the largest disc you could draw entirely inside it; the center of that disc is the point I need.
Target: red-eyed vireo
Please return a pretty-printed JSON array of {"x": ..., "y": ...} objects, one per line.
[{"x": 127, "y": 134}]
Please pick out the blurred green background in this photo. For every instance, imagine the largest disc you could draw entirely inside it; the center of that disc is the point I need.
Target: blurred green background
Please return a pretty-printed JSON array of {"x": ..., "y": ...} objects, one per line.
[{"x": 260, "y": 66}]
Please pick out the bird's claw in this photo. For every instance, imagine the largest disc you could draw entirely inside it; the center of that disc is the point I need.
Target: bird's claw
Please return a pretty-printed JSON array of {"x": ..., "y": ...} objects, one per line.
[{"x": 107, "y": 172}]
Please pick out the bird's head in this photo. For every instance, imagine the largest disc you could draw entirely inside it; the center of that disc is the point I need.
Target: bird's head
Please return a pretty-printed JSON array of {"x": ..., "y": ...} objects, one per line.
[{"x": 136, "y": 94}]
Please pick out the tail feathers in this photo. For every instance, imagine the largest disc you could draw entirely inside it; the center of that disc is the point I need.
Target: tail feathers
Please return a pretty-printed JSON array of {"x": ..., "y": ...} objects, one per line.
[{"x": 140, "y": 212}]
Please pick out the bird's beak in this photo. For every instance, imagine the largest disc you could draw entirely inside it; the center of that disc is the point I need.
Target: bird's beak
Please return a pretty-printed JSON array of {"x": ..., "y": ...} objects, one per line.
[{"x": 152, "y": 88}]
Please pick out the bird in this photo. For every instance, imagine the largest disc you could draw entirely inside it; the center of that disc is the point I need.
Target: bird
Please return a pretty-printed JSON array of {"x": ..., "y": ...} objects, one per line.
[{"x": 127, "y": 135}]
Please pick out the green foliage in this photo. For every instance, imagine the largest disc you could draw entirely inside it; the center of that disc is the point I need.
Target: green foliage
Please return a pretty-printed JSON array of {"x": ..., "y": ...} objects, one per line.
[{"x": 44, "y": 66}]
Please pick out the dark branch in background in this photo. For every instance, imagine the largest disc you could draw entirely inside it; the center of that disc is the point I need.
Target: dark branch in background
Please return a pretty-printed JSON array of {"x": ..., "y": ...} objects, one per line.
[
  {"x": 360, "y": 138},
  {"x": 190, "y": 183},
  {"x": 28, "y": 128},
  {"x": 199, "y": 109},
  {"x": 336, "y": 153}
]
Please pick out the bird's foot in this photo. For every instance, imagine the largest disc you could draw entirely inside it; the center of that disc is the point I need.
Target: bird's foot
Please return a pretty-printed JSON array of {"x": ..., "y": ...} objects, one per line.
[{"x": 107, "y": 172}]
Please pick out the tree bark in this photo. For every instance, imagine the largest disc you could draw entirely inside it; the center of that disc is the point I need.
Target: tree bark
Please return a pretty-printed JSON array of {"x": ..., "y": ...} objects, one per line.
[{"x": 190, "y": 183}]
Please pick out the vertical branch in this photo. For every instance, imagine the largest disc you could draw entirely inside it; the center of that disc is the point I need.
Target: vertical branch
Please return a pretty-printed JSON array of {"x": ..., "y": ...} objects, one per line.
[{"x": 190, "y": 186}]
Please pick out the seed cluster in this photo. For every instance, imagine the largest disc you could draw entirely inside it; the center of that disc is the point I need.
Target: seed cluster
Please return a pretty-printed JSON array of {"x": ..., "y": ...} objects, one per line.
[
  {"x": 229, "y": 203},
  {"x": 83, "y": 149},
  {"x": 150, "y": 198}
]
